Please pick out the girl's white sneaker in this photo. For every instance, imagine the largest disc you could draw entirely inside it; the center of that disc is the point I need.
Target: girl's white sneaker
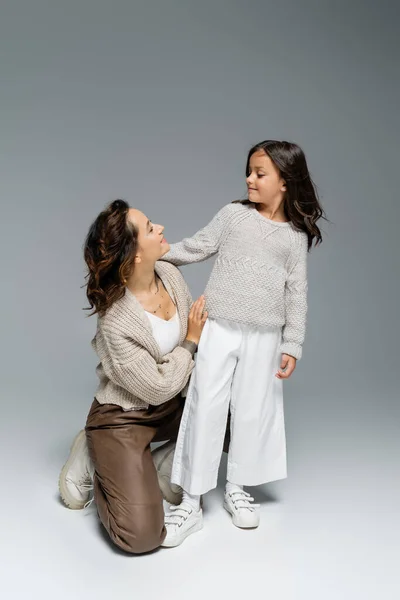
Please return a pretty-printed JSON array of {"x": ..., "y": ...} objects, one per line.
[
  {"x": 183, "y": 520},
  {"x": 240, "y": 505}
]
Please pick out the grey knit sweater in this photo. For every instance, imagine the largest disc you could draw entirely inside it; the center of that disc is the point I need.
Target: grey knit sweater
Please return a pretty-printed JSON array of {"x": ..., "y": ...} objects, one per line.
[
  {"x": 132, "y": 372},
  {"x": 260, "y": 274}
]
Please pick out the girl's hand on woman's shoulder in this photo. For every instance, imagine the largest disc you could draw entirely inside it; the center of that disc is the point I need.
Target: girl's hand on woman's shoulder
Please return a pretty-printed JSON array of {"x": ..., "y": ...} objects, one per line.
[{"x": 288, "y": 365}]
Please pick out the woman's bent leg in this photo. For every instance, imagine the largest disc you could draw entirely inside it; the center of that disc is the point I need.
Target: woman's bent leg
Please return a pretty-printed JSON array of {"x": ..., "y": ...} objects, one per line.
[{"x": 126, "y": 489}]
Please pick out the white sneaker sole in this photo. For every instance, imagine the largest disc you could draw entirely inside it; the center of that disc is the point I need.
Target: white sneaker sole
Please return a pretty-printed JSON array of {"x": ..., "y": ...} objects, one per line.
[
  {"x": 177, "y": 541},
  {"x": 66, "y": 497},
  {"x": 236, "y": 520}
]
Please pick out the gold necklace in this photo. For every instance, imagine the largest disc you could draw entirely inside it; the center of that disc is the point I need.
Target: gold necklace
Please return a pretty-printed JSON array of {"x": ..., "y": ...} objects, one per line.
[{"x": 155, "y": 293}]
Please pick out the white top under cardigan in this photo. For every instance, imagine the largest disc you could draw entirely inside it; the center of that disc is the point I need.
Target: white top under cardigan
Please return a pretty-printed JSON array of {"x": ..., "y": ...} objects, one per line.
[
  {"x": 133, "y": 373},
  {"x": 166, "y": 333}
]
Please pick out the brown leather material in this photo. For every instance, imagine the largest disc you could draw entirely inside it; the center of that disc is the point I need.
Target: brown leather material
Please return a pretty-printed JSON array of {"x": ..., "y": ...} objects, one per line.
[{"x": 126, "y": 490}]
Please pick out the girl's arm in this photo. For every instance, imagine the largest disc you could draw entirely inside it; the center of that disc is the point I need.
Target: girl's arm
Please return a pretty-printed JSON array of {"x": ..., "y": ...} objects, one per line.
[
  {"x": 296, "y": 304},
  {"x": 203, "y": 244}
]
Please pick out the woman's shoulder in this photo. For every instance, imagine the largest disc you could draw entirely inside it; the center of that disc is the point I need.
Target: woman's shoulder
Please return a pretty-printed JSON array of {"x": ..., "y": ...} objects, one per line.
[
  {"x": 168, "y": 269},
  {"x": 170, "y": 272}
]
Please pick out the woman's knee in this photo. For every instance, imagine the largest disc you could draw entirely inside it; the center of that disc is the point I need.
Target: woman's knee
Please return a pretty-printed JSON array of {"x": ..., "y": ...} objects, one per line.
[
  {"x": 137, "y": 536},
  {"x": 133, "y": 527}
]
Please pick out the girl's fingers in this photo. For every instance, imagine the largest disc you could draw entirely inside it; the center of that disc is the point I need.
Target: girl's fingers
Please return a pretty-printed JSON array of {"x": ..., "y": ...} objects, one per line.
[
  {"x": 285, "y": 374},
  {"x": 288, "y": 365},
  {"x": 282, "y": 375}
]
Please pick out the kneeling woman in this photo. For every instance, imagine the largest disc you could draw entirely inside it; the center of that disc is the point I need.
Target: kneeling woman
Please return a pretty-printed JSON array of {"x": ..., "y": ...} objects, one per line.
[{"x": 147, "y": 334}]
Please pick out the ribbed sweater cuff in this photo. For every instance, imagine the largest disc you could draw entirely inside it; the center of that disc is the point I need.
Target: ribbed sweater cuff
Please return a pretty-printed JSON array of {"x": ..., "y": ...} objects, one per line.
[
  {"x": 292, "y": 349},
  {"x": 189, "y": 345}
]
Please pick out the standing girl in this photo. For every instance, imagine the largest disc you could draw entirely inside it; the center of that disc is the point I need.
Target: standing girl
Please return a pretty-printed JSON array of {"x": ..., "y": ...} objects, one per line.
[{"x": 256, "y": 300}]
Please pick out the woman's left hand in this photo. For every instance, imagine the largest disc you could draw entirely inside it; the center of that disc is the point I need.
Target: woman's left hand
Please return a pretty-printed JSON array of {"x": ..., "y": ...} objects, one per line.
[{"x": 288, "y": 365}]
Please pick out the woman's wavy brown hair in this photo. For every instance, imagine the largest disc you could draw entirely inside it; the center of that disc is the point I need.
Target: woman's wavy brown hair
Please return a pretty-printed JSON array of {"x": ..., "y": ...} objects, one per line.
[
  {"x": 109, "y": 253},
  {"x": 301, "y": 203}
]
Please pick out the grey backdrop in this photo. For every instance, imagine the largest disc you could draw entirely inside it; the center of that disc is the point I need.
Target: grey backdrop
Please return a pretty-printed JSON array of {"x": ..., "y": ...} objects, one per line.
[{"x": 158, "y": 103}]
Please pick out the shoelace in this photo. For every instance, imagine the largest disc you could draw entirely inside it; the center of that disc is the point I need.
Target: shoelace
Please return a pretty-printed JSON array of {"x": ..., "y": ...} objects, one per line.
[
  {"x": 179, "y": 516},
  {"x": 89, "y": 487},
  {"x": 88, "y": 503},
  {"x": 242, "y": 499},
  {"x": 84, "y": 485}
]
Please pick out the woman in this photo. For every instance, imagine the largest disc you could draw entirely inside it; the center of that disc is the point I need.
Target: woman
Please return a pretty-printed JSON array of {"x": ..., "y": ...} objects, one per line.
[{"x": 147, "y": 334}]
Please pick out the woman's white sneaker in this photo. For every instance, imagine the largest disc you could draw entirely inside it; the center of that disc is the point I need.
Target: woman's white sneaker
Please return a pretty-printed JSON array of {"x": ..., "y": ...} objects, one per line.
[
  {"x": 76, "y": 478},
  {"x": 240, "y": 505},
  {"x": 182, "y": 521}
]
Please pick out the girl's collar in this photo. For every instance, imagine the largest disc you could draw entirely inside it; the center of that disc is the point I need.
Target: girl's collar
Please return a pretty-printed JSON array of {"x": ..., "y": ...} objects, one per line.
[{"x": 256, "y": 213}]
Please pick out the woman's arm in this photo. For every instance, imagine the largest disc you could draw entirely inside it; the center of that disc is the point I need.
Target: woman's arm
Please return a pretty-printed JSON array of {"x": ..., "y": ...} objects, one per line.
[
  {"x": 156, "y": 383},
  {"x": 133, "y": 368},
  {"x": 128, "y": 363}
]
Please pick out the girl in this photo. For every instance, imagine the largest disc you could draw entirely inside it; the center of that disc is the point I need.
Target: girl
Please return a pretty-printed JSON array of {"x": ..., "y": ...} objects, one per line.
[{"x": 256, "y": 300}]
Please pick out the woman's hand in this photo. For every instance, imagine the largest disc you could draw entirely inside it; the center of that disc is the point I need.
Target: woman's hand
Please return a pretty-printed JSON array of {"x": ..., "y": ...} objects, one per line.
[
  {"x": 196, "y": 320},
  {"x": 288, "y": 365}
]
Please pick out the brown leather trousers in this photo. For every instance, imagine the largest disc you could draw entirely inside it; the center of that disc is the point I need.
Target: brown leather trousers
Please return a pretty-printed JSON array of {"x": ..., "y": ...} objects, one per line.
[{"x": 126, "y": 491}]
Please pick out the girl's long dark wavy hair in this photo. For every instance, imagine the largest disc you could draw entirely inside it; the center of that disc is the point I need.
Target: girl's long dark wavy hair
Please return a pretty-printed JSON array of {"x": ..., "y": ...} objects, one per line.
[
  {"x": 301, "y": 204},
  {"x": 109, "y": 252}
]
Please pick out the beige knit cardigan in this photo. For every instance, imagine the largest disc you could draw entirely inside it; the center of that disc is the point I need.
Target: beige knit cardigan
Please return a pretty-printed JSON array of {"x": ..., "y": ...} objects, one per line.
[{"x": 132, "y": 372}]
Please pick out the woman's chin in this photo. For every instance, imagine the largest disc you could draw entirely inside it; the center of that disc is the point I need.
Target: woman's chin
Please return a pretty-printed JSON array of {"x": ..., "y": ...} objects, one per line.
[{"x": 165, "y": 248}]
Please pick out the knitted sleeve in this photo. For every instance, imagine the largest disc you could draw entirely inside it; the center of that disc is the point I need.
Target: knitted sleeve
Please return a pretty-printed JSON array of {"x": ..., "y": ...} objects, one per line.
[
  {"x": 134, "y": 369},
  {"x": 203, "y": 244},
  {"x": 296, "y": 304}
]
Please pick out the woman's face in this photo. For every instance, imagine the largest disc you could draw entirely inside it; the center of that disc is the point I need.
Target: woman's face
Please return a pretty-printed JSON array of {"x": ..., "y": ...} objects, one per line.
[
  {"x": 264, "y": 182},
  {"x": 151, "y": 241}
]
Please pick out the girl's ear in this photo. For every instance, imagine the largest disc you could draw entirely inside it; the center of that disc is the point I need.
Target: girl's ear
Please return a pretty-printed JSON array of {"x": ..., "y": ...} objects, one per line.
[{"x": 283, "y": 188}]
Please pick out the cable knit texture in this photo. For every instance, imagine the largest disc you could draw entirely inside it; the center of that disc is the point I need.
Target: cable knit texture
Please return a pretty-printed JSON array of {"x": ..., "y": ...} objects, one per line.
[
  {"x": 260, "y": 273},
  {"x": 132, "y": 372}
]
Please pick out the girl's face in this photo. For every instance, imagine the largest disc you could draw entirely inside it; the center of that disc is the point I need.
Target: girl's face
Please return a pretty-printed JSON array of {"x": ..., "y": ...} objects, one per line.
[
  {"x": 264, "y": 182},
  {"x": 151, "y": 241}
]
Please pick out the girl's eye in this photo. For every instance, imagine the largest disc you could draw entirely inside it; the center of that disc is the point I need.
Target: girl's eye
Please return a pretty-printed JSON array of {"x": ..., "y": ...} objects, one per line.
[{"x": 260, "y": 175}]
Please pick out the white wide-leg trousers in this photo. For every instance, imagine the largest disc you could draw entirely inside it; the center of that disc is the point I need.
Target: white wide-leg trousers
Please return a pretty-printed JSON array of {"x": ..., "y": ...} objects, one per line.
[{"x": 235, "y": 368}]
